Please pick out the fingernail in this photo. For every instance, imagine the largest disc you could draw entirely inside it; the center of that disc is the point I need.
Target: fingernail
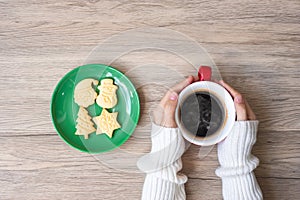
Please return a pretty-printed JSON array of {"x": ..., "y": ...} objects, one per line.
[
  {"x": 173, "y": 96},
  {"x": 189, "y": 78},
  {"x": 239, "y": 99}
]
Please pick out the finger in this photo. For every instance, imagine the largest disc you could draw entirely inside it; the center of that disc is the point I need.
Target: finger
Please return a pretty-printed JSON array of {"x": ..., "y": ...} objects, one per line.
[
  {"x": 240, "y": 107},
  {"x": 250, "y": 113},
  {"x": 157, "y": 115},
  {"x": 231, "y": 90},
  {"x": 169, "y": 111},
  {"x": 180, "y": 86},
  {"x": 239, "y": 102},
  {"x": 215, "y": 81},
  {"x": 196, "y": 78},
  {"x": 165, "y": 99},
  {"x": 177, "y": 89}
]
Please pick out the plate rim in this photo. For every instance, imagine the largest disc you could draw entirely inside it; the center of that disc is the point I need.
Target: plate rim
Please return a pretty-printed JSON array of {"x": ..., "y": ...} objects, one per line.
[{"x": 54, "y": 93}]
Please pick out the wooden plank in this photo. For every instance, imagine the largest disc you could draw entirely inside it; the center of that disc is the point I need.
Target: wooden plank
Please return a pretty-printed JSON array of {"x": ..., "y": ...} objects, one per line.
[
  {"x": 278, "y": 157},
  {"x": 69, "y": 184},
  {"x": 272, "y": 188},
  {"x": 122, "y": 11},
  {"x": 92, "y": 184}
]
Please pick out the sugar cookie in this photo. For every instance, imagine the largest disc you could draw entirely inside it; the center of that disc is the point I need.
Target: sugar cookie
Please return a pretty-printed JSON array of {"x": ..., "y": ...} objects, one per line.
[
  {"x": 106, "y": 123},
  {"x": 84, "y": 94},
  {"x": 84, "y": 124},
  {"x": 107, "y": 97}
]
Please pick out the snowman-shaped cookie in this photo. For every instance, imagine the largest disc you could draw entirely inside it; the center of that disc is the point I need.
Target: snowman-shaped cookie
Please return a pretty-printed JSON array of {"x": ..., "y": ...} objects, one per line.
[{"x": 107, "y": 97}]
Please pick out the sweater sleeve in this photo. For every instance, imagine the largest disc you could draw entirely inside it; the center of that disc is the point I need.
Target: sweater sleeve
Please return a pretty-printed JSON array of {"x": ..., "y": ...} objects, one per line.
[
  {"x": 237, "y": 163},
  {"x": 162, "y": 164}
]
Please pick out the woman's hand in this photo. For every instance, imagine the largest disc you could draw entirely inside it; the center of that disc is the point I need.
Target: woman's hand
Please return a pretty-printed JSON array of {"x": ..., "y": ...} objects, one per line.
[
  {"x": 164, "y": 114},
  {"x": 243, "y": 110}
]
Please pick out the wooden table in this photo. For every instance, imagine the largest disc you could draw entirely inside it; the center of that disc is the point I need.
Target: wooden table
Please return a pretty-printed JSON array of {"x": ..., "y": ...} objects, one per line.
[{"x": 255, "y": 45}]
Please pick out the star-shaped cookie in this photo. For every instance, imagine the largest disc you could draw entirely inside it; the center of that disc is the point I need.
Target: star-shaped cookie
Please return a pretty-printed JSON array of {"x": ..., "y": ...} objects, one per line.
[{"x": 106, "y": 123}]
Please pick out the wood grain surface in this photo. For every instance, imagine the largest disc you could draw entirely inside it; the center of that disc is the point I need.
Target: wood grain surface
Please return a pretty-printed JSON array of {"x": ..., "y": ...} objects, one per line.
[{"x": 255, "y": 44}]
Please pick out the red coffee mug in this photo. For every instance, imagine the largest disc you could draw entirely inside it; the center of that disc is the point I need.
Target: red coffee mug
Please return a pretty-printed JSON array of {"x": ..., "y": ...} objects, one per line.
[{"x": 221, "y": 94}]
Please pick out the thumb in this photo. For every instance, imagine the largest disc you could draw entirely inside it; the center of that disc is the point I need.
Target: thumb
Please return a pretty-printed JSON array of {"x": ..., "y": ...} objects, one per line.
[
  {"x": 241, "y": 112},
  {"x": 170, "y": 108}
]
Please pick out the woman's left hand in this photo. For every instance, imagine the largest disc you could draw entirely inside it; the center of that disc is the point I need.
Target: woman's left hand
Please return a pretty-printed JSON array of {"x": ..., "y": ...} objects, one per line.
[
  {"x": 164, "y": 114},
  {"x": 243, "y": 109}
]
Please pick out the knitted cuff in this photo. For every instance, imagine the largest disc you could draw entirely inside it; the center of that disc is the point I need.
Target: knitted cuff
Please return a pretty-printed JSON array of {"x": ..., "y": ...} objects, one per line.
[
  {"x": 244, "y": 187},
  {"x": 167, "y": 147},
  {"x": 157, "y": 189},
  {"x": 235, "y": 150}
]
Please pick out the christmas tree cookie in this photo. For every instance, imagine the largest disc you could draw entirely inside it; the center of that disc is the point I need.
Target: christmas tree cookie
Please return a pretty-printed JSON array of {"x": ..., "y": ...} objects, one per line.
[{"x": 84, "y": 124}]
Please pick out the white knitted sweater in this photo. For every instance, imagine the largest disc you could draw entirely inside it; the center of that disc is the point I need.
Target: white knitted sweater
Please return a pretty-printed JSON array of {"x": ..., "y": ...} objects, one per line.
[{"x": 162, "y": 165}]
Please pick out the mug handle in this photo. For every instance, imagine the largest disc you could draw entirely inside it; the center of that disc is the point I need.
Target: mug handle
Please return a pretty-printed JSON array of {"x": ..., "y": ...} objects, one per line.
[{"x": 204, "y": 73}]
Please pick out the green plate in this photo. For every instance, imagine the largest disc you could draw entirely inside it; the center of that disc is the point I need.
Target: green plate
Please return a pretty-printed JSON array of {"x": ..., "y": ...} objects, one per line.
[{"x": 64, "y": 110}]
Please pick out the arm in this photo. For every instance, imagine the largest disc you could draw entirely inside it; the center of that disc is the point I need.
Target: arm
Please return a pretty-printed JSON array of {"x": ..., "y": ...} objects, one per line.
[
  {"x": 234, "y": 154},
  {"x": 162, "y": 164},
  {"x": 237, "y": 163},
  {"x": 163, "y": 182}
]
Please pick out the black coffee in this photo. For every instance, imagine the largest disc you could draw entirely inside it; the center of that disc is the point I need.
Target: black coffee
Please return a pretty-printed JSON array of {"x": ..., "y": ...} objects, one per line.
[{"x": 202, "y": 114}]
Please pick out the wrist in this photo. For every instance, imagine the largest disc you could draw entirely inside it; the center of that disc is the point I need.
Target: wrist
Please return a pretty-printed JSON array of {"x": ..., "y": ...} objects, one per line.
[
  {"x": 163, "y": 137},
  {"x": 167, "y": 147}
]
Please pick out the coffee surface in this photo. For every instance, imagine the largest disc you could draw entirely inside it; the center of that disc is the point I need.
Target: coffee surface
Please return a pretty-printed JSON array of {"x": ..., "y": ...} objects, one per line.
[{"x": 201, "y": 114}]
